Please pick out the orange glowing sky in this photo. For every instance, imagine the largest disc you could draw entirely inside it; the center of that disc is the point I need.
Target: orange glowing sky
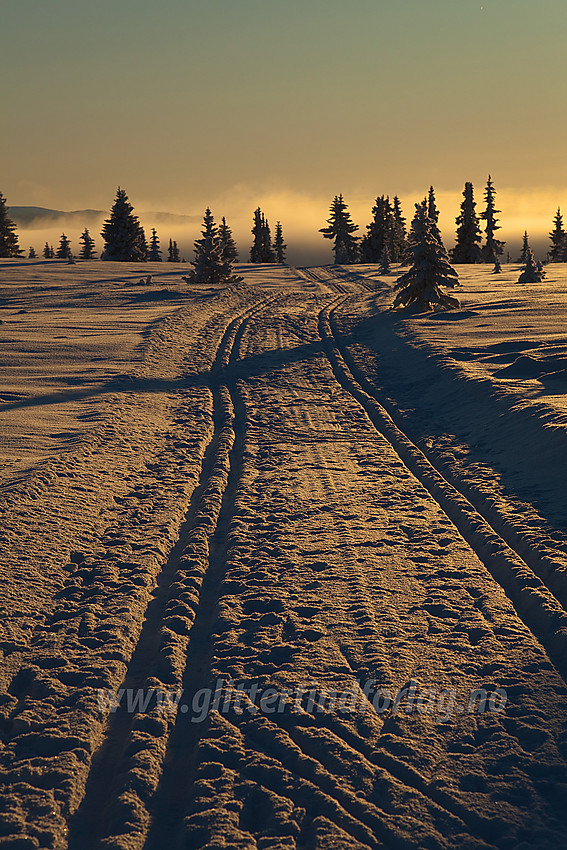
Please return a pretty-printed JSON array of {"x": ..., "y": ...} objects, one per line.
[{"x": 285, "y": 104}]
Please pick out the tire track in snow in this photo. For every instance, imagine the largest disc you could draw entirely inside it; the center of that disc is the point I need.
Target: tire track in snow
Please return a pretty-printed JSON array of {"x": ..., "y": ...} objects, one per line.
[
  {"x": 136, "y": 743},
  {"x": 534, "y": 602},
  {"x": 304, "y": 768}
]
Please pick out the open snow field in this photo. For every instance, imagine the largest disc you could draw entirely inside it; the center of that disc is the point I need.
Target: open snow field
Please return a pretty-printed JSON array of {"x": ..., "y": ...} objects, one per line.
[{"x": 279, "y": 568}]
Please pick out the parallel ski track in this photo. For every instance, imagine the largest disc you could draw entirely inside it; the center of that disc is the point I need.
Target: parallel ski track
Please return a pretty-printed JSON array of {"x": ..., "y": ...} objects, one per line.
[
  {"x": 113, "y": 772},
  {"x": 532, "y": 598}
]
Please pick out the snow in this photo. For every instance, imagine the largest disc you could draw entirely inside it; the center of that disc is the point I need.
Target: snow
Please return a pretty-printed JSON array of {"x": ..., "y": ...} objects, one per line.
[{"x": 234, "y": 501}]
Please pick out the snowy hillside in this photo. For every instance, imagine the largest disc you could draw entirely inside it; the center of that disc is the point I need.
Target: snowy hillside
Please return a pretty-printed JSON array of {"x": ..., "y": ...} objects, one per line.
[{"x": 281, "y": 568}]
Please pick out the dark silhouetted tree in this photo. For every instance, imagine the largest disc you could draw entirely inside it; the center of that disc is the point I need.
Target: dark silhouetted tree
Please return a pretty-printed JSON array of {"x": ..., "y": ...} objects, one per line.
[
  {"x": 523, "y": 258},
  {"x": 340, "y": 229},
  {"x": 31, "y": 254},
  {"x": 279, "y": 244},
  {"x": 124, "y": 238},
  {"x": 469, "y": 237},
  {"x": 433, "y": 214},
  {"x": 172, "y": 252},
  {"x": 531, "y": 273},
  {"x": 154, "y": 253},
  {"x": 420, "y": 287},
  {"x": 558, "y": 240},
  {"x": 9, "y": 246},
  {"x": 399, "y": 246},
  {"x": 378, "y": 233},
  {"x": 261, "y": 250},
  {"x": 497, "y": 267},
  {"x": 64, "y": 250},
  {"x": 493, "y": 247},
  {"x": 87, "y": 251},
  {"x": 47, "y": 251},
  {"x": 228, "y": 249},
  {"x": 385, "y": 260}
]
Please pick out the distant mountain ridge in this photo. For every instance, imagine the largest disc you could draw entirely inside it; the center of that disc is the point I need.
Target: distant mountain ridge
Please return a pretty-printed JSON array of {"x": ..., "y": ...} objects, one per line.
[{"x": 38, "y": 217}]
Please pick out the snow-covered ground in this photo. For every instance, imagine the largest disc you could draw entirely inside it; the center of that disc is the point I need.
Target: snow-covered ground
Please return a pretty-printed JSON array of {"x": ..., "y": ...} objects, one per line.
[{"x": 281, "y": 568}]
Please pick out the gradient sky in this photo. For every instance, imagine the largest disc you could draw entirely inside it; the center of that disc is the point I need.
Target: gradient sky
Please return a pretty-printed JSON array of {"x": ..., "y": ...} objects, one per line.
[{"x": 238, "y": 102}]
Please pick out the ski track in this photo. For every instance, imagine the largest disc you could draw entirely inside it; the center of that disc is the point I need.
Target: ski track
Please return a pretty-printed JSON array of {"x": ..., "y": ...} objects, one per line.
[{"x": 299, "y": 540}]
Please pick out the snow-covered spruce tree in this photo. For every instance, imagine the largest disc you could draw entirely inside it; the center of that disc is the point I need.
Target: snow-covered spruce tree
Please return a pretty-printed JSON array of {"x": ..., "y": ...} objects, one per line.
[
  {"x": 46, "y": 251},
  {"x": 124, "y": 238},
  {"x": 209, "y": 266},
  {"x": 341, "y": 229},
  {"x": 9, "y": 246},
  {"x": 378, "y": 233},
  {"x": 385, "y": 261},
  {"x": 279, "y": 245},
  {"x": 87, "y": 251},
  {"x": 154, "y": 253},
  {"x": 31, "y": 254},
  {"x": 64, "y": 250},
  {"x": 467, "y": 244},
  {"x": 558, "y": 239},
  {"x": 523, "y": 258},
  {"x": 420, "y": 286},
  {"x": 228, "y": 249},
  {"x": 531, "y": 273},
  {"x": 493, "y": 247}
]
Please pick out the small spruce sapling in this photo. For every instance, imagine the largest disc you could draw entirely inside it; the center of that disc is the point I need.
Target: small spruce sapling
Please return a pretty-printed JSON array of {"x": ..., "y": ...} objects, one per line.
[{"x": 531, "y": 274}]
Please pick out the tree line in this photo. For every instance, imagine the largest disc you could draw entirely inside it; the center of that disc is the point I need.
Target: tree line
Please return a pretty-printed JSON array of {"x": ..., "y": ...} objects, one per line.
[
  {"x": 386, "y": 239},
  {"x": 125, "y": 239}
]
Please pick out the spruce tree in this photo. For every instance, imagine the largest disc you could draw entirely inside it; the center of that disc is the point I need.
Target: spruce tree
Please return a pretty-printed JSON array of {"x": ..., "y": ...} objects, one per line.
[
  {"x": 154, "y": 253},
  {"x": 267, "y": 250},
  {"x": 9, "y": 246},
  {"x": 261, "y": 250},
  {"x": 420, "y": 287},
  {"x": 64, "y": 250},
  {"x": 531, "y": 274},
  {"x": 378, "y": 233},
  {"x": 493, "y": 247},
  {"x": 341, "y": 229},
  {"x": 256, "y": 249},
  {"x": 558, "y": 240},
  {"x": 31, "y": 254},
  {"x": 279, "y": 244},
  {"x": 87, "y": 251},
  {"x": 433, "y": 214},
  {"x": 228, "y": 249},
  {"x": 124, "y": 238},
  {"x": 47, "y": 251},
  {"x": 497, "y": 267},
  {"x": 170, "y": 252},
  {"x": 209, "y": 265},
  {"x": 385, "y": 261},
  {"x": 525, "y": 248},
  {"x": 467, "y": 245},
  {"x": 399, "y": 246},
  {"x": 175, "y": 253}
]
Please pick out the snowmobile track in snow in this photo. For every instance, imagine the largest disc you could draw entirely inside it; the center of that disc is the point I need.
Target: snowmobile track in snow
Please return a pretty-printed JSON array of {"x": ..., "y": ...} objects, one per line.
[
  {"x": 174, "y": 642},
  {"x": 533, "y": 600}
]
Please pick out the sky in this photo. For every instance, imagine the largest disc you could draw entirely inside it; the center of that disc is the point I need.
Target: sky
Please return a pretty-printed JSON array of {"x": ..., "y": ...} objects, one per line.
[{"x": 236, "y": 103}]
